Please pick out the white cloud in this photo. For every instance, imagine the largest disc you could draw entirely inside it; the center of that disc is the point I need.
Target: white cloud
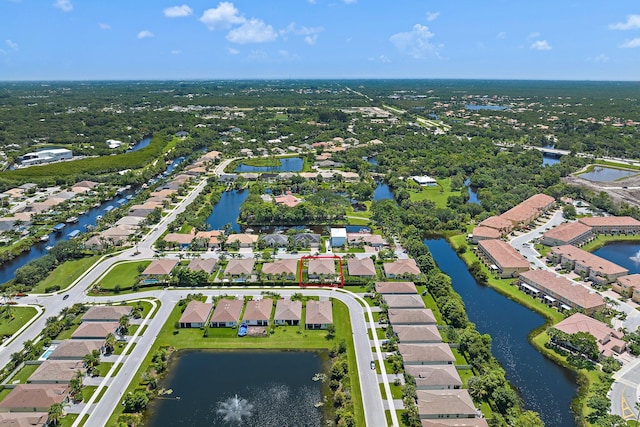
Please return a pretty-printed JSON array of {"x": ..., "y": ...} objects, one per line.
[
  {"x": 432, "y": 16},
  {"x": 540, "y": 45},
  {"x": 310, "y": 33},
  {"x": 252, "y": 31},
  {"x": 350, "y": 1},
  {"x": 233, "y": 51},
  {"x": 145, "y": 34},
  {"x": 63, "y": 5},
  {"x": 13, "y": 45},
  {"x": 633, "y": 22},
  {"x": 380, "y": 58},
  {"x": 311, "y": 40},
  {"x": 415, "y": 43},
  {"x": 601, "y": 58},
  {"x": 501, "y": 35},
  {"x": 104, "y": 26},
  {"x": 258, "y": 55},
  {"x": 631, "y": 44},
  {"x": 222, "y": 17},
  {"x": 178, "y": 11},
  {"x": 176, "y": 52}
]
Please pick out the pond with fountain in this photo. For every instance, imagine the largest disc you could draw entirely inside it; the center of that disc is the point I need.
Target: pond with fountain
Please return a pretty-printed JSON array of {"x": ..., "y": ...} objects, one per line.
[{"x": 247, "y": 388}]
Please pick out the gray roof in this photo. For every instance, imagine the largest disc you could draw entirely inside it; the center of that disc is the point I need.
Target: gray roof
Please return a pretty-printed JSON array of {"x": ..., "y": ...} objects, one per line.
[{"x": 276, "y": 239}]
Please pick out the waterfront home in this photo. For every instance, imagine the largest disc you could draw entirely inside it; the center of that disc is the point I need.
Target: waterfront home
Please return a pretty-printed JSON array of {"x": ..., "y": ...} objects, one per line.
[
  {"x": 612, "y": 224},
  {"x": 275, "y": 240},
  {"x": 282, "y": 268},
  {"x": 288, "y": 312},
  {"x": 361, "y": 267},
  {"x": 208, "y": 239},
  {"x": 287, "y": 199},
  {"x": 240, "y": 269},
  {"x": 373, "y": 240},
  {"x": 258, "y": 312},
  {"x": 414, "y": 316},
  {"x": 319, "y": 314},
  {"x": 401, "y": 268},
  {"x": 588, "y": 265},
  {"x": 34, "y": 397},
  {"x": 628, "y": 286},
  {"x": 502, "y": 258},
  {"x": 321, "y": 267},
  {"x": 338, "y": 237},
  {"x": 129, "y": 221},
  {"x": 195, "y": 314},
  {"x": 199, "y": 264},
  {"x": 559, "y": 292},
  {"x": 437, "y": 404},
  {"x": 243, "y": 240},
  {"x": 504, "y": 226},
  {"x": 424, "y": 180},
  {"x": 403, "y": 301},
  {"x": 396, "y": 288},
  {"x": 306, "y": 240},
  {"x": 610, "y": 342},
  {"x": 435, "y": 377},
  {"x": 95, "y": 330},
  {"x": 484, "y": 233},
  {"x": 180, "y": 240},
  {"x": 227, "y": 313},
  {"x": 415, "y": 334},
  {"x": 106, "y": 313},
  {"x": 74, "y": 349},
  {"x": 144, "y": 209},
  {"x": 426, "y": 354},
  {"x": 159, "y": 270},
  {"x": 56, "y": 372},
  {"x": 569, "y": 233}
]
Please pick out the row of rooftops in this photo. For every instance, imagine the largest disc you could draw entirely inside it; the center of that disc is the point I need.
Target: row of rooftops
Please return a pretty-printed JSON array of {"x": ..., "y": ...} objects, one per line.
[
  {"x": 440, "y": 399},
  {"x": 229, "y": 311}
]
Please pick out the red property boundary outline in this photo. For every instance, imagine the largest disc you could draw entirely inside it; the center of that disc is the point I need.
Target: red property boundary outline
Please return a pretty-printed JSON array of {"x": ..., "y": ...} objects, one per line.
[{"x": 330, "y": 285}]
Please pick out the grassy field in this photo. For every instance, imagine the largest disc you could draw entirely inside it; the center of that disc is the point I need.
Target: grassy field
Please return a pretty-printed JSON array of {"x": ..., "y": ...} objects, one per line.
[
  {"x": 18, "y": 317},
  {"x": 125, "y": 275},
  {"x": 23, "y": 374},
  {"x": 284, "y": 337},
  {"x": 437, "y": 194},
  {"x": 65, "y": 274},
  {"x": 602, "y": 240}
]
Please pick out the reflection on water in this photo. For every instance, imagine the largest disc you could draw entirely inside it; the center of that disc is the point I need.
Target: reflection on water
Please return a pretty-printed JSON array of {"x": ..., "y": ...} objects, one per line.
[{"x": 606, "y": 174}]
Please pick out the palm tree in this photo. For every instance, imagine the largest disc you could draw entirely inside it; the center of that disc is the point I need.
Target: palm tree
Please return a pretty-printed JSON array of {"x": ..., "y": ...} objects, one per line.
[
  {"x": 56, "y": 411},
  {"x": 124, "y": 324},
  {"x": 110, "y": 342},
  {"x": 91, "y": 361},
  {"x": 75, "y": 386}
]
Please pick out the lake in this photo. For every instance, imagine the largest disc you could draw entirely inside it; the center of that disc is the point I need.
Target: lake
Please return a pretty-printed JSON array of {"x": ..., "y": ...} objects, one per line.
[
  {"x": 382, "y": 192},
  {"x": 625, "y": 254},
  {"x": 249, "y": 388},
  {"x": 603, "y": 174},
  {"x": 288, "y": 164},
  {"x": 473, "y": 192},
  {"x": 548, "y": 160},
  {"x": 226, "y": 211},
  {"x": 544, "y": 386}
]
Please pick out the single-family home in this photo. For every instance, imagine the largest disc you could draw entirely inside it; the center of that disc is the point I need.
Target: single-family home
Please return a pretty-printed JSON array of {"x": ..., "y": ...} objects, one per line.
[
  {"x": 243, "y": 240},
  {"x": 281, "y": 268},
  {"x": 34, "y": 397},
  {"x": 275, "y": 240},
  {"x": 75, "y": 349},
  {"x": 56, "y": 372},
  {"x": 24, "y": 419},
  {"x": 195, "y": 315},
  {"x": 321, "y": 267},
  {"x": 437, "y": 404},
  {"x": 401, "y": 268},
  {"x": 159, "y": 270},
  {"x": 414, "y": 334},
  {"x": 240, "y": 269},
  {"x": 338, "y": 237},
  {"x": 106, "y": 313},
  {"x": 306, "y": 240},
  {"x": 361, "y": 267},
  {"x": 396, "y": 288},
  {"x": 180, "y": 240},
  {"x": 435, "y": 377},
  {"x": 208, "y": 239},
  {"x": 319, "y": 314},
  {"x": 426, "y": 354},
  {"x": 414, "y": 316},
  {"x": 404, "y": 301},
  {"x": 288, "y": 312},
  {"x": 258, "y": 312},
  {"x": 610, "y": 342},
  {"x": 227, "y": 313},
  {"x": 202, "y": 264}
]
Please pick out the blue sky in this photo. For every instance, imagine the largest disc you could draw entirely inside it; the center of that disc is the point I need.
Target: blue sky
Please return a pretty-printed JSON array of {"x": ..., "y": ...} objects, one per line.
[{"x": 304, "y": 39}]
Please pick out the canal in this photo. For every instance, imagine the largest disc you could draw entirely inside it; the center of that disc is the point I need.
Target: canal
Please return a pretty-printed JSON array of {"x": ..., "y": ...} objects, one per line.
[
  {"x": 247, "y": 388},
  {"x": 544, "y": 386},
  {"x": 226, "y": 211},
  {"x": 86, "y": 220}
]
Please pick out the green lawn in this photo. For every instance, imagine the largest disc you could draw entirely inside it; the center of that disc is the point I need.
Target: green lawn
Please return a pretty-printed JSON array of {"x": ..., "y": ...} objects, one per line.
[
  {"x": 437, "y": 194},
  {"x": 602, "y": 240},
  {"x": 465, "y": 374},
  {"x": 103, "y": 368},
  {"x": 460, "y": 360},
  {"x": 18, "y": 317},
  {"x": 23, "y": 374},
  {"x": 396, "y": 390},
  {"x": 124, "y": 274},
  {"x": 67, "y": 420},
  {"x": 88, "y": 391},
  {"x": 65, "y": 274},
  {"x": 284, "y": 337}
]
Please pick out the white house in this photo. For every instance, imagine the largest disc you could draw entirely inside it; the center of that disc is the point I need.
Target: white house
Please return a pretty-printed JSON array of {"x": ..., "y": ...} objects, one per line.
[{"x": 338, "y": 237}]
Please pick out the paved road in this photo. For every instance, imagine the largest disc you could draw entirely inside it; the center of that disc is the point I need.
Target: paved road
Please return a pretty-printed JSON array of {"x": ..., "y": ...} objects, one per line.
[{"x": 100, "y": 412}]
